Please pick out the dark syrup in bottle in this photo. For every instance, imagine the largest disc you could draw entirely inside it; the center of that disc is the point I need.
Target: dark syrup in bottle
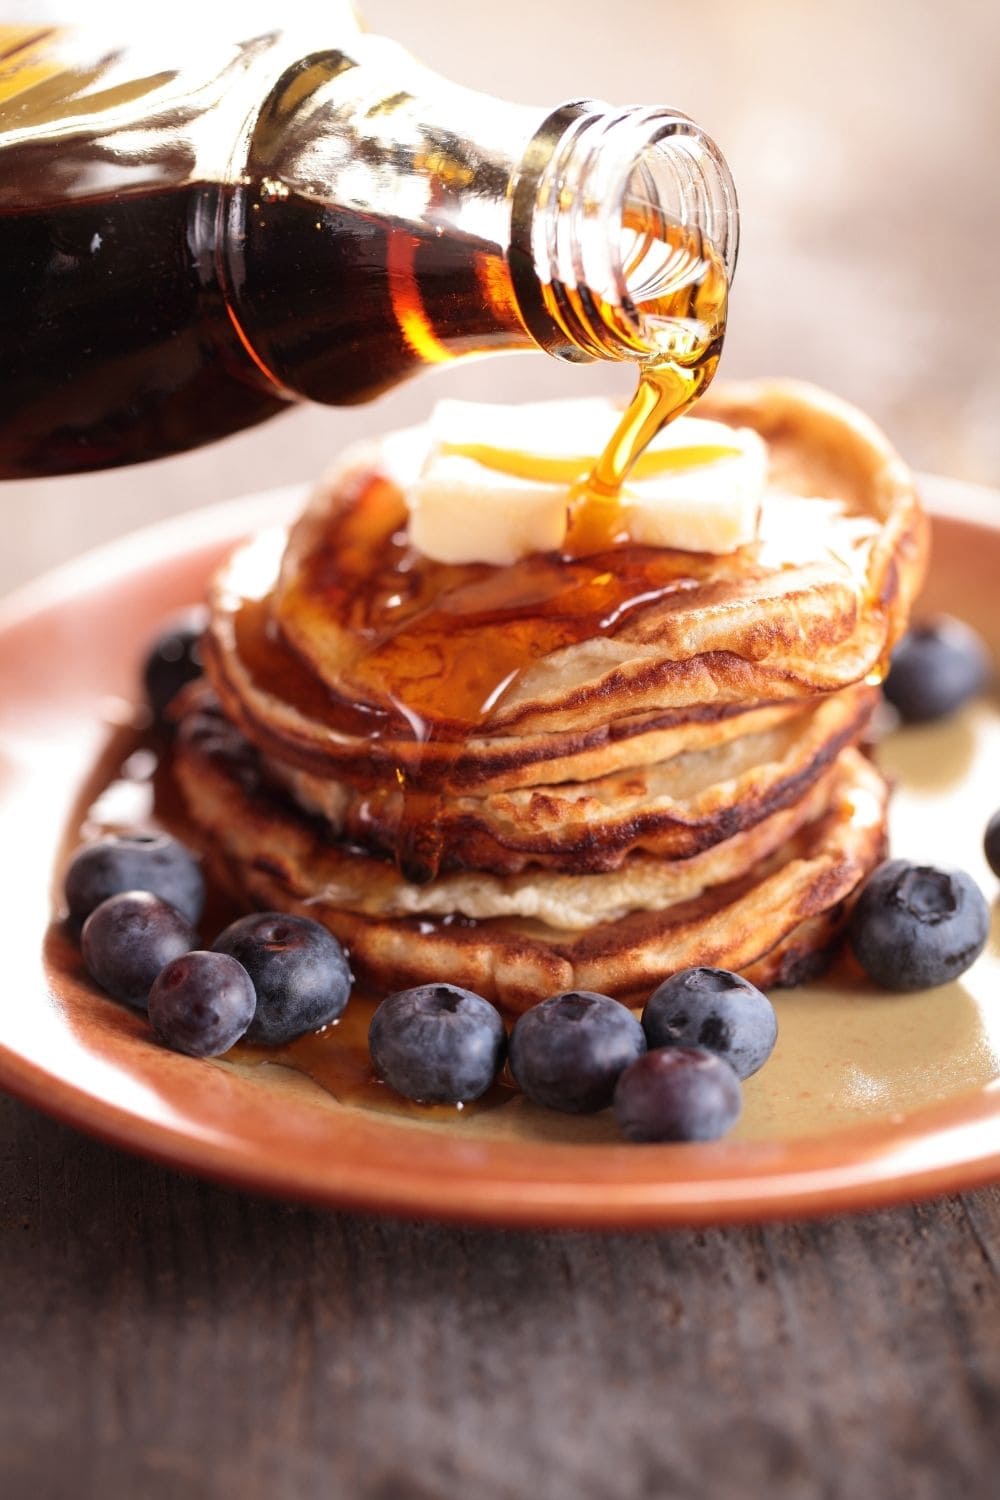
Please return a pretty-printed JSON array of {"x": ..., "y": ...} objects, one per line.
[{"x": 187, "y": 246}]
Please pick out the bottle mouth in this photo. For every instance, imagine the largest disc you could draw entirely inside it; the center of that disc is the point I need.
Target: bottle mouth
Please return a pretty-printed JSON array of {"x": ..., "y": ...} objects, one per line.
[{"x": 625, "y": 232}]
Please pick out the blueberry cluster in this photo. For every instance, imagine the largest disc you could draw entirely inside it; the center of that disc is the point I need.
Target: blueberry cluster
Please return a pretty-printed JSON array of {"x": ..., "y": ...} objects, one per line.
[
  {"x": 269, "y": 977},
  {"x": 674, "y": 1076},
  {"x": 918, "y": 926},
  {"x": 136, "y": 899}
]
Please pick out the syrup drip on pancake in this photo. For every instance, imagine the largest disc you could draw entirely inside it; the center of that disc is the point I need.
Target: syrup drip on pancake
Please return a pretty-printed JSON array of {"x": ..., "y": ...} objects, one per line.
[
  {"x": 685, "y": 323},
  {"x": 437, "y": 646}
]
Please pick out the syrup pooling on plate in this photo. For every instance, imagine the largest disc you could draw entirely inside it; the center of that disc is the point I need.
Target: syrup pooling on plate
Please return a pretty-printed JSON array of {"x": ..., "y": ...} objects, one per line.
[
  {"x": 847, "y": 1052},
  {"x": 338, "y": 1061}
]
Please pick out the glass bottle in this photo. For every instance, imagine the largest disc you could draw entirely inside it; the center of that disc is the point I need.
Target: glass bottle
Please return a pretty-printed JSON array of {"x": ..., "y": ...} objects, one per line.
[{"x": 188, "y": 245}]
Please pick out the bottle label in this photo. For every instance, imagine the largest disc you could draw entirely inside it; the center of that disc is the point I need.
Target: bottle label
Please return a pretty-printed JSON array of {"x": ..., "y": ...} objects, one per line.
[{"x": 27, "y": 58}]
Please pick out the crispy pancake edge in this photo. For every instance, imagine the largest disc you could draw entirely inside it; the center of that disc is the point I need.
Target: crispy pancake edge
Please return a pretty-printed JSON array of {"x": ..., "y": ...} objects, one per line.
[
  {"x": 797, "y": 632},
  {"x": 754, "y": 923}
]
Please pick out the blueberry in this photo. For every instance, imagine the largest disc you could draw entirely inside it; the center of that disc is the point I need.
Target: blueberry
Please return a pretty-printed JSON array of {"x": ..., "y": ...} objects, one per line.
[
  {"x": 202, "y": 1003},
  {"x": 915, "y": 926},
  {"x": 678, "y": 1094},
  {"x": 437, "y": 1043},
  {"x": 567, "y": 1052},
  {"x": 298, "y": 969},
  {"x": 128, "y": 939},
  {"x": 134, "y": 862},
  {"x": 174, "y": 659},
  {"x": 991, "y": 843},
  {"x": 715, "y": 1009},
  {"x": 935, "y": 669}
]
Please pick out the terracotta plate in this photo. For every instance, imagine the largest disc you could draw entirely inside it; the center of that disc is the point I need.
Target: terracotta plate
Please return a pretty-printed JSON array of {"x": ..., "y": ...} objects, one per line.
[{"x": 868, "y": 1099}]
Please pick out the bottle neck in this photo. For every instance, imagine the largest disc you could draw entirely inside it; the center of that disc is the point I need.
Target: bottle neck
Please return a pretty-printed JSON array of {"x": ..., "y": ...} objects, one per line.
[
  {"x": 624, "y": 235},
  {"x": 580, "y": 232}
]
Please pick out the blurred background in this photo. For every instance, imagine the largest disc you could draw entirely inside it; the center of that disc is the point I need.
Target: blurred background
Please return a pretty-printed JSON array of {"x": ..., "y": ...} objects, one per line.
[{"x": 864, "y": 141}]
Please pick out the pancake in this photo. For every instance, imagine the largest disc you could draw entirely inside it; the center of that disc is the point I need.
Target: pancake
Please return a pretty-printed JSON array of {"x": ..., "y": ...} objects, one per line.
[
  {"x": 286, "y": 711},
  {"x": 562, "y": 773},
  {"x": 674, "y": 808},
  {"x": 211, "y": 752},
  {"x": 548, "y": 644},
  {"x": 770, "y": 907}
]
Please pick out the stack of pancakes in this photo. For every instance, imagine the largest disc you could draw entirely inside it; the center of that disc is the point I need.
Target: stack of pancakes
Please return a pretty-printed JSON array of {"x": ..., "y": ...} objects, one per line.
[{"x": 561, "y": 774}]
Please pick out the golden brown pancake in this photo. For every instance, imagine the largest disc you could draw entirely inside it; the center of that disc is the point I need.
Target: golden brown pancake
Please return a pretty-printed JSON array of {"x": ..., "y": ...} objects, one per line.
[
  {"x": 553, "y": 644},
  {"x": 284, "y": 709},
  {"x": 776, "y": 915},
  {"x": 208, "y": 745},
  {"x": 673, "y": 808},
  {"x": 564, "y": 773}
]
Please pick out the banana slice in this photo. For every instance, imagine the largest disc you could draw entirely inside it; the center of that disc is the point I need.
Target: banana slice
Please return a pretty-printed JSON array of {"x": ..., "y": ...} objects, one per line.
[{"x": 496, "y": 483}]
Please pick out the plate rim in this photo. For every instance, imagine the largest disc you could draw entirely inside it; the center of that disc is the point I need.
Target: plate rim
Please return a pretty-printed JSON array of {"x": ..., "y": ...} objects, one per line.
[{"x": 881, "y": 1169}]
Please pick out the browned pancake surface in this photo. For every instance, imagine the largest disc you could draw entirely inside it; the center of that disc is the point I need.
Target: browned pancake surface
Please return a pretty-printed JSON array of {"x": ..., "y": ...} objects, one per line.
[
  {"x": 674, "y": 808},
  {"x": 552, "y": 644},
  {"x": 274, "y": 856}
]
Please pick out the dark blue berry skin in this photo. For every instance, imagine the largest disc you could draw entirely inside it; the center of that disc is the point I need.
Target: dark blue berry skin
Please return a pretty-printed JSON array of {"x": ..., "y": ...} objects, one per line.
[
  {"x": 134, "y": 862},
  {"x": 935, "y": 669},
  {"x": 437, "y": 1043},
  {"x": 174, "y": 660},
  {"x": 299, "y": 970},
  {"x": 568, "y": 1052},
  {"x": 715, "y": 1009},
  {"x": 678, "y": 1094},
  {"x": 202, "y": 1003},
  {"x": 128, "y": 939},
  {"x": 916, "y": 926},
  {"x": 991, "y": 844}
]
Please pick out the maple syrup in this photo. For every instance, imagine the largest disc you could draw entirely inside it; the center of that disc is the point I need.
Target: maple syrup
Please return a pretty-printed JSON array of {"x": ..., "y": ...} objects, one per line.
[
  {"x": 338, "y": 1060},
  {"x": 432, "y": 649},
  {"x": 687, "y": 322},
  {"x": 193, "y": 239},
  {"x": 131, "y": 786}
]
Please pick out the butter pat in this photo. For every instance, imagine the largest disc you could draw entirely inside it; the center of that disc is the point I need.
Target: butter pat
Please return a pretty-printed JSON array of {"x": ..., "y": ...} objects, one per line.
[
  {"x": 711, "y": 507},
  {"x": 461, "y": 512},
  {"x": 553, "y": 441},
  {"x": 498, "y": 481}
]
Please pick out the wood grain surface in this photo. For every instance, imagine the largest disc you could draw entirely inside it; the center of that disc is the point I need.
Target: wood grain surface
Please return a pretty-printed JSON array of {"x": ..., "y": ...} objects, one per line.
[{"x": 164, "y": 1338}]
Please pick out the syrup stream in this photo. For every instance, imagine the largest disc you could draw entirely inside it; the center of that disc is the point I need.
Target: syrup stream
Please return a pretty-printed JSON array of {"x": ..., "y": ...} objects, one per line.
[{"x": 683, "y": 324}]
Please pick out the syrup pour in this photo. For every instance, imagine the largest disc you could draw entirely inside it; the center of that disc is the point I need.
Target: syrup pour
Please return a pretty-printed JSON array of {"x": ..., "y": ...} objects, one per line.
[
  {"x": 437, "y": 649},
  {"x": 686, "y": 321}
]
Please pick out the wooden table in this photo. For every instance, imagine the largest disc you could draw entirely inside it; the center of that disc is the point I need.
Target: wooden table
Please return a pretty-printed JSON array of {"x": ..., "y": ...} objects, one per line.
[{"x": 162, "y": 1337}]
